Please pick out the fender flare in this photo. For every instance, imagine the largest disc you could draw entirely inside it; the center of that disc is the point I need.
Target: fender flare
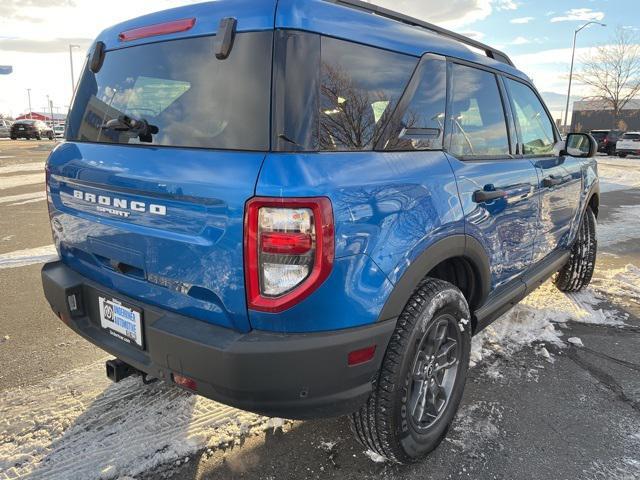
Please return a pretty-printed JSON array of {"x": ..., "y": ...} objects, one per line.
[{"x": 449, "y": 247}]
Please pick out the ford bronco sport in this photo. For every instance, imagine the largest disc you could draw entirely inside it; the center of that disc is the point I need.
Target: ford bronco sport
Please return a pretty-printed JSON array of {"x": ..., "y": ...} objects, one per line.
[{"x": 306, "y": 208}]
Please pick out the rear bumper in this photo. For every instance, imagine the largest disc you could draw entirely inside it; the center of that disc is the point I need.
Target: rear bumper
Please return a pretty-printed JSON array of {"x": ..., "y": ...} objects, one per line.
[
  {"x": 286, "y": 375},
  {"x": 24, "y": 134},
  {"x": 628, "y": 151}
]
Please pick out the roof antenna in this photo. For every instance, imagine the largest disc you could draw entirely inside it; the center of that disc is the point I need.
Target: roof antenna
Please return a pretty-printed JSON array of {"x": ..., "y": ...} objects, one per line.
[{"x": 225, "y": 37}]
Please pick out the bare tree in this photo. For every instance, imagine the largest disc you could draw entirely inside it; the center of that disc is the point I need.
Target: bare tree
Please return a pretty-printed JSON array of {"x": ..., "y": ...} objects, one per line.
[{"x": 613, "y": 71}]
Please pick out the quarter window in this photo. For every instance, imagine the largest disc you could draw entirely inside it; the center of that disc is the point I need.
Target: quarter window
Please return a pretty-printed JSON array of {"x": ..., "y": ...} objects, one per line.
[
  {"x": 359, "y": 89},
  {"x": 422, "y": 125},
  {"x": 478, "y": 125},
  {"x": 535, "y": 126}
]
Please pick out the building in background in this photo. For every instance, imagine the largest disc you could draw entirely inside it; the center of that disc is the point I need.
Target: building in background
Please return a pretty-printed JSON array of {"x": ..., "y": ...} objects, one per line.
[
  {"x": 598, "y": 115},
  {"x": 58, "y": 118}
]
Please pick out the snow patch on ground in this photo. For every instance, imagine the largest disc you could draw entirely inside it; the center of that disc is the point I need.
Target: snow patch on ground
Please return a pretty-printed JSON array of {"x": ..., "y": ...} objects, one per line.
[
  {"x": 623, "y": 227},
  {"x": 476, "y": 424},
  {"x": 534, "y": 321},
  {"x": 23, "y": 197},
  {"x": 25, "y": 167},
  {"x": 618, "y": 175},
  {"x": 623, "y": 283},
  {"x": 30, "y": 256},
  {"x": 375, "y": 457},
  {"x": 80, "y": 425}
]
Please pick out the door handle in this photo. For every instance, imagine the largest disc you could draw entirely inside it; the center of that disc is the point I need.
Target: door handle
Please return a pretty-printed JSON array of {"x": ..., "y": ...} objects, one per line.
[
  {"x": 482, "y": 196},
  {"x": 551, "y": 182}
]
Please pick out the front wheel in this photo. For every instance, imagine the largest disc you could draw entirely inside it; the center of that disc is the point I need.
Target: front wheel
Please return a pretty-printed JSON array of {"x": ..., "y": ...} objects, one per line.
[
  {"x": 577, "y": 272},
  {"x": 422, "y": 377},
  {"x": 622, "y": 155}
]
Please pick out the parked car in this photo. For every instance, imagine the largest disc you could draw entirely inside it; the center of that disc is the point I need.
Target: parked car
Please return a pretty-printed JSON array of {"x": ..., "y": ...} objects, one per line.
[
  {"x": 5, "y": 127},
  {"x": 58, "y": 130},
  {"x": 363, "y": 205},
  {"x": 607, "y": 140},
  {"x": 31, "y": 129},
  {"x": 629, "y": 144}
]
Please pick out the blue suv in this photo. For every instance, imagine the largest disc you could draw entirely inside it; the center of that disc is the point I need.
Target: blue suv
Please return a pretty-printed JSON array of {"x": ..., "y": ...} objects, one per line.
[{"x": 306, "y": 208}]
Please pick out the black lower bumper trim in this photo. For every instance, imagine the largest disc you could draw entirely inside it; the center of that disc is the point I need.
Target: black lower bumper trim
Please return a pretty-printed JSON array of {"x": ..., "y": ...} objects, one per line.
[{"x": 286, "y": 375}]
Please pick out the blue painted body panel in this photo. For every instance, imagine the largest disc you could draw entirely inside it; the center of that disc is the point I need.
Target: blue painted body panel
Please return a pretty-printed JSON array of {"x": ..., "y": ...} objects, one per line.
[
  {"x": 388, "y": 206},
  {"x": 198, "y": 244},
  {"x": 505, "y": 227}
]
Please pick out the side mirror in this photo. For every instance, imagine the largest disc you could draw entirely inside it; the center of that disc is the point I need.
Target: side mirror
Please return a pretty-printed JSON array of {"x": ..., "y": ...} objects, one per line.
[{"x": 580, "y": 145}]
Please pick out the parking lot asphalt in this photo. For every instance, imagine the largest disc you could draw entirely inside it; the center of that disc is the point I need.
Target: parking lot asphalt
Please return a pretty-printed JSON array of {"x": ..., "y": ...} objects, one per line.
[{"x": 535, "y": 405}]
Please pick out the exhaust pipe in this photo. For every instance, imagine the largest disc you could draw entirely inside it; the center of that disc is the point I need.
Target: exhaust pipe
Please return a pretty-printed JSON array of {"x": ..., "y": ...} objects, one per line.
[{"x": 118, "y": 370}]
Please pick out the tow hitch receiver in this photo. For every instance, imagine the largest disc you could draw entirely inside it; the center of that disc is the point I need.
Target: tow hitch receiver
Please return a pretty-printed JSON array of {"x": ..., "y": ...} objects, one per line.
[{"x": 118, "y": 370}]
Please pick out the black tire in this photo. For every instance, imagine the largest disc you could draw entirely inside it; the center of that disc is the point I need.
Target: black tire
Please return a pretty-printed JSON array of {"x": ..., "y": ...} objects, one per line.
[
  {"x": 50, "y": 136},
  {"x": 38, "y": 137},
  {"x": 622, "y": 155},
  {"x": 577, "y": 272},
  {"x": 14, "y": 138},
  {"x": 386, "y": 424}
]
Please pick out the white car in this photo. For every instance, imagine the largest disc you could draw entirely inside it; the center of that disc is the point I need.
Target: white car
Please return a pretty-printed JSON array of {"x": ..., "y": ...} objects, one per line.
[
  {"x": 58, "y": 130},
  {"x": 628, "y": 144}
]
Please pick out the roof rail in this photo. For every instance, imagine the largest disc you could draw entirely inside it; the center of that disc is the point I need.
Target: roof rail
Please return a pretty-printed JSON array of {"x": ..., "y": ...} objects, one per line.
[{"x": 384, "y": 12}]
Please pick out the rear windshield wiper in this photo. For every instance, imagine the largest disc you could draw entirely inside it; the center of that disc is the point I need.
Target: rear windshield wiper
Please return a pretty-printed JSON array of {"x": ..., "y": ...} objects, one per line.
[{"x": 139, "y": 127}]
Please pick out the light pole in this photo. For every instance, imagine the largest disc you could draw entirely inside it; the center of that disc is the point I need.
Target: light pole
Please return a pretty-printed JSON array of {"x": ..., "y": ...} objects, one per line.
[
  {"x": 573, "y": 56},
  {"x": 29, "y": 97},
  {"x": 73, "y": 82},
  {"x": 50, "y": 104}
]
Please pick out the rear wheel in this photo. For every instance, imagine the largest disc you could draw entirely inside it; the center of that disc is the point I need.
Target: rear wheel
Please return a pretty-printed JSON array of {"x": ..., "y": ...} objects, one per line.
[
  {"x": 577, "y": 272},
  {"x": 422, "y": 377},
  {"x": 50, "y": 136},
  {"x": 622, "y": 155},
  {"x": 38, "y": 137}
]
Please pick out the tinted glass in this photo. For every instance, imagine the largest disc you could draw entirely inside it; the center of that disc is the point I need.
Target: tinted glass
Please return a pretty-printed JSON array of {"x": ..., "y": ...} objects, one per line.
[
  {"x": 536, "y": 128},
  {"x": 180, "y": 87},
  {"x": 600, "y": 135},
  {"x": 631, "y": 136},
  {"x": 359, "y": 88},
  {"x": 422, "y": 124},
  {"x": 478, "y": 125}
]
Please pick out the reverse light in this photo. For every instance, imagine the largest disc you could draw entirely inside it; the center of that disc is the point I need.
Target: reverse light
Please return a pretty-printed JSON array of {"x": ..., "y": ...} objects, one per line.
[
  {"x": 157, "y": 29},
  {"x": 289, "y": 250}
]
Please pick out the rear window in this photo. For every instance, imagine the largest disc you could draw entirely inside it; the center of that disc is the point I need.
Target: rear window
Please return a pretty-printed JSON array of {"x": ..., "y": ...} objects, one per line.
[
  {"x": 631, "y": 136},
  {"x": 600, "y": 135},
  {"x": 181, "y": 89}
]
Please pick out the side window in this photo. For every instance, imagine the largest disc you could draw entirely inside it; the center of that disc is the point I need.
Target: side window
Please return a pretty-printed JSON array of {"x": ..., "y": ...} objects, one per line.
[
  {"x": 422, "y": 125},
  {"x": 536, "y": 128},
  {"x": 359, "y": 88},
  {"x": 478, "y": 124}
]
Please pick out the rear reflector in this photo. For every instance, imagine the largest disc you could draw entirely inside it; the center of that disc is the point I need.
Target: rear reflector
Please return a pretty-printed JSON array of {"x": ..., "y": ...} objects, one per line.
[
  {"x": 361, "y": 356},
  {"x": 157, "y": 29},
  {"x": 185, "y": 382},
  {"x": 286, "y": 243}
]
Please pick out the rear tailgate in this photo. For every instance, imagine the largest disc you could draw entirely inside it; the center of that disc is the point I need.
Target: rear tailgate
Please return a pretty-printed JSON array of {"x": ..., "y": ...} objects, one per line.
[{"x": 158, "y": 215}]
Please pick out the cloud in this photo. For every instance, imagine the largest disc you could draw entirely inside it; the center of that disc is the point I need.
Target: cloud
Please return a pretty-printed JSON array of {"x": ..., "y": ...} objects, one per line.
[
  {"x": 579, "y": 14},
  {"x": 42, "y": 46},
  {"x": 19, "y": 9},
  {"x": 505, "y": 5},
  {"x": 522, "y": 20},
  {"x": 520, "y": 41},
  {"x": 453, "y": 13}
]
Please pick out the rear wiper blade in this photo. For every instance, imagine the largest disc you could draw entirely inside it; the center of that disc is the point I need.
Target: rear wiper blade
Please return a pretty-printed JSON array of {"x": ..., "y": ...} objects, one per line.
[{"x": 139, "y": 127}]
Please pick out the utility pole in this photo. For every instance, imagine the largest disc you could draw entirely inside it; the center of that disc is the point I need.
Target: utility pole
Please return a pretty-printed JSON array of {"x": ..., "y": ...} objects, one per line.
[
  {"x": 573, "y": 55},
  {"x": 73, "y": 81},
  {"x": 29, "y": 96},
  {"x": 50, "y": 103}
]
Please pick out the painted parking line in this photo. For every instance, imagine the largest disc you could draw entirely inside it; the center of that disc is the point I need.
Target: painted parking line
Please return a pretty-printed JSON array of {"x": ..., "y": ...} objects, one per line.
[
  {"x": 27, "y": 167},
  {"x": 29, "y": 256},
  {"x": 21, "y": 180},
  {"x": 23, "y": 198}
]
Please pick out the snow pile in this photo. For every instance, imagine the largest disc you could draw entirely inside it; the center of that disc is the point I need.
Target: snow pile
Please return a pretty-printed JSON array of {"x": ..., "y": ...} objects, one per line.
[
  {"x": 80, "y": 425},
  {"x": 533, "y": 321},
  {"x": 623, "y": 283},
  {"x": 618, "y": 174},
  {"x": 624, "y": 226}
]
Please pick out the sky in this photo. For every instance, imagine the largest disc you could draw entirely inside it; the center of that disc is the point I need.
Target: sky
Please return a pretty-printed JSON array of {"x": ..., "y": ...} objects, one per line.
[{"x": 35, "y": 36}]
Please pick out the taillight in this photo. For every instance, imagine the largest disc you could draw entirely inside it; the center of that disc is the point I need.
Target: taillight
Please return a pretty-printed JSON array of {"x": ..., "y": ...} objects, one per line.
[{"x": 289, "y": 250}]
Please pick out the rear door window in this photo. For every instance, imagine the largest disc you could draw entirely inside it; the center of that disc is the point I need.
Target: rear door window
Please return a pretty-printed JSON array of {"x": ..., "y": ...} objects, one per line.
[
  {"x": 631, "y": 136},
  {"x": 478, "y": 123},
  {"x": 536, "y": 128},
  {"x": 182, "y": 89}
]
